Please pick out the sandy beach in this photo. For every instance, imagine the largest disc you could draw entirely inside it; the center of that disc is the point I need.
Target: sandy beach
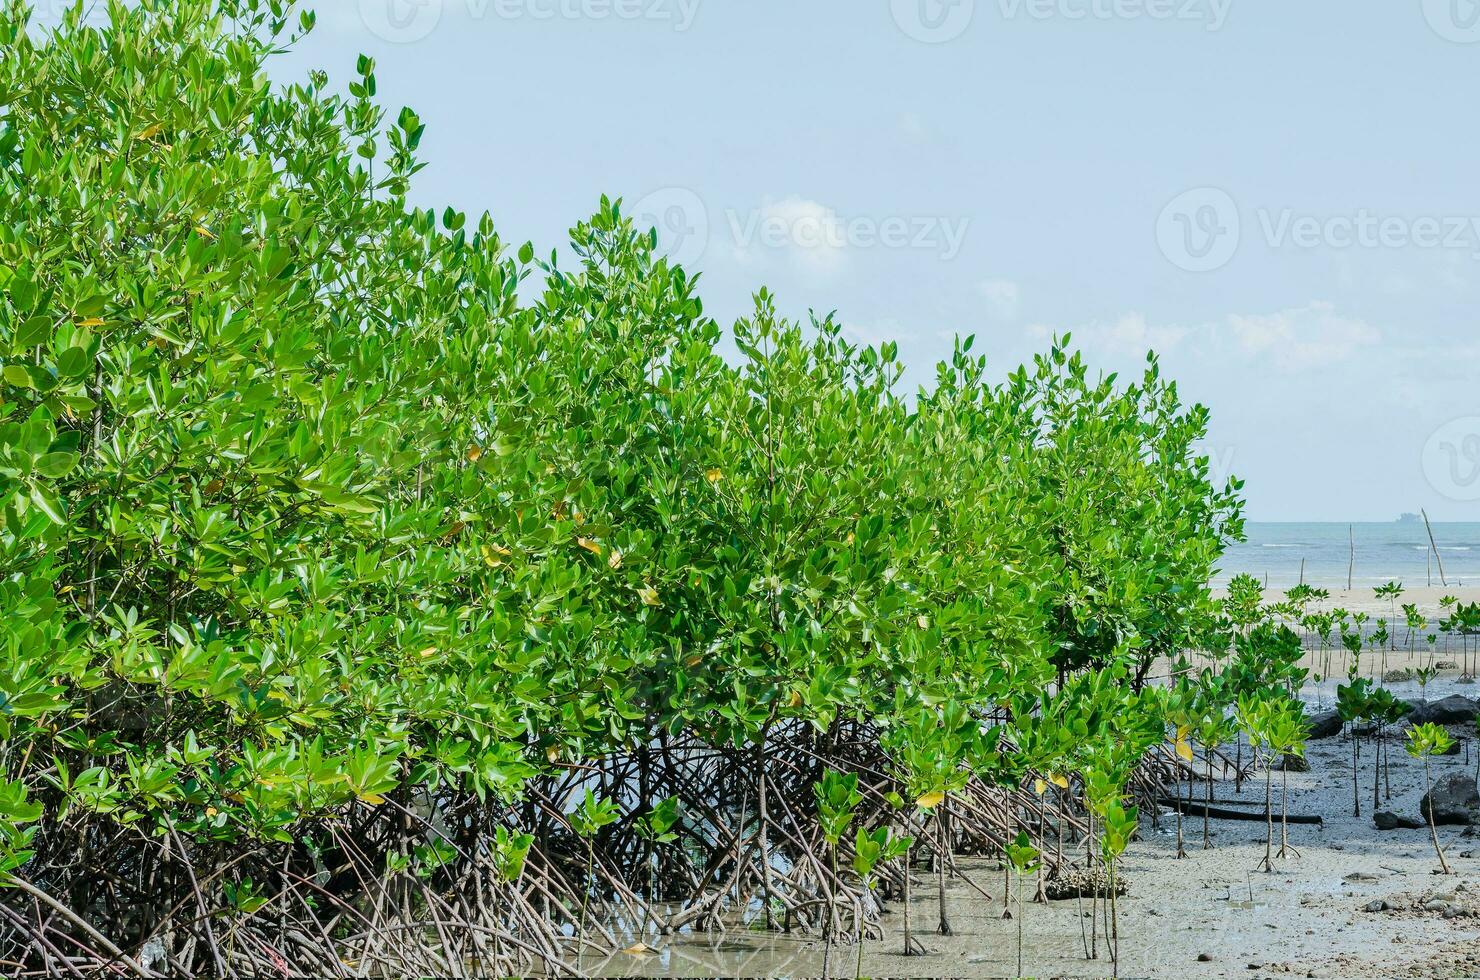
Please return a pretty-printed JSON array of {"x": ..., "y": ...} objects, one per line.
[
  {"x": 1211, "y": 915},
  {"x": 1362, "y": 599}
]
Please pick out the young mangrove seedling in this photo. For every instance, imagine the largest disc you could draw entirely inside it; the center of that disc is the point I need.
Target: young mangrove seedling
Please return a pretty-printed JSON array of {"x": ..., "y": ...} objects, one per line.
[
  {"x": 837, "y": 801},
  {"x": 1425, "y": 741},
  {"x": 1023, "y": 857},
  {"x": 1352, "y": 701},
  {"x": 1287, "y": 733},
  {"x": 587, "y": 820},
  {"x": 1120, "y": 827},
  {"x": 871, "y": 849}
]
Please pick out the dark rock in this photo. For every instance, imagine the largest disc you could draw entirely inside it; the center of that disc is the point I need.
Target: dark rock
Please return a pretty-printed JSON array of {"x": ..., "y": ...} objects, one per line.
[
  {"x": 1293, "y": 763},
  {"x": 1455, "y": 799},
  {"x": 1398, "y": 675},
  {"x": 1327, "y": 724},
  {"x": 1453, "y": 747},
  {"x": 1201, "y": 957},
  {"x": 1376, "y": 905},
  {"x": 1453, "y": 710},
  {"x": 1387, "y": 820}
]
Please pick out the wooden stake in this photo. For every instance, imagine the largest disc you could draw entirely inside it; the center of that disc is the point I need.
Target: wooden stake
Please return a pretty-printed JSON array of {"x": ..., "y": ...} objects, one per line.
[{"x": 1435, "y": 547}]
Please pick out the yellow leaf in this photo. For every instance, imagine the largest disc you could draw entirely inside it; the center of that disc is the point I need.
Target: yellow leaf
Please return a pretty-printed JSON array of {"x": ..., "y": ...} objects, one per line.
[
  {"x": 1039, "y": 786},
  {"x": 931, "y": 800},
  {"x": 1062, "y": 782},
  {"x": 1184, "y": 749},
  {"x": 795, "y": 701},
  {"x": 204, "y": 232},
  {"x": 648, "y": 595},
  {"x": 372, "y": 799},
  {"x": 429, "y": 651},
  {"x": 614, "y": 560},
  {"x": 641, "y": 949},
  {"x": 589, "y": 545},
  {"x": 552, "y": 754},
  {"x": 150, "y": 133},
  {"x": 92, "y": 321},
  {"x": 475, "y": 453},
  {"x": 715, "y": 475},
  {"x": 923, "y": 622}
]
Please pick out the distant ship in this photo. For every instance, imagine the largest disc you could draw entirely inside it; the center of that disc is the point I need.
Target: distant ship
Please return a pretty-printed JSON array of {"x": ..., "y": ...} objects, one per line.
[{"x": 1410, "y": 519}]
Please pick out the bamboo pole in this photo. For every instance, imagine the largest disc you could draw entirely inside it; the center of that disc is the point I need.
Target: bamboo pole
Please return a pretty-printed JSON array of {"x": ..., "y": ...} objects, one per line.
[{"x": 1430, "y": 528}]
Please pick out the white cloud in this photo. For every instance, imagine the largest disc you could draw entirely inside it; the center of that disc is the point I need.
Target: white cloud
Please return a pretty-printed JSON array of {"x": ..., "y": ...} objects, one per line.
[
  {"x": 810, "y": 233},
  {"x": 1306, "y": 337},
  {"x": 1289, "y": 340},
  {"x": 1129, "y": 334},
  {"x": 1002, "y": 295}
]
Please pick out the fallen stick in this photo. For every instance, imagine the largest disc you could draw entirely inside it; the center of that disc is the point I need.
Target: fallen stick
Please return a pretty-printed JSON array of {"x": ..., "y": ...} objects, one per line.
[{"x": 1222, "y": 813}]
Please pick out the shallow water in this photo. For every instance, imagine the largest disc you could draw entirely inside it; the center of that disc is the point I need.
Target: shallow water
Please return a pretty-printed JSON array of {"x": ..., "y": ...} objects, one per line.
[{"x": 1393, "y": 551}]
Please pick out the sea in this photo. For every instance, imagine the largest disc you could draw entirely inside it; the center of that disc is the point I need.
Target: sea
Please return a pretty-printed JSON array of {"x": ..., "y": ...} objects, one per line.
[{"x": 1393, "y": 551}]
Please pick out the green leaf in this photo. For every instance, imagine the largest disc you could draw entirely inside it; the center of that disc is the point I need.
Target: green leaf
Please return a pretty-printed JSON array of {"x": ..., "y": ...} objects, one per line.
[
  {"x": 46, "y": 501},
  {"x": 57, "y": 465}
]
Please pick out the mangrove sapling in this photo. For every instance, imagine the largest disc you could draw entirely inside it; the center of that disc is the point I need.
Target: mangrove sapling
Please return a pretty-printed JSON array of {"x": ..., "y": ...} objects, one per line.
[
  {"x": 656, "y": 829},
  {"x": 1378, "y": 642},
  {"x": 1255, "y": 717},
  {"x": 1467, "y": 624},
  {"x": 871, "y": 849},
  {"x": 837, "y": 801},
  {"x": 1023, "y": 857},
  {"x": 1424, "y": 741},
  {"x": 509, "y": 854},
  {"x": 1392, "y": 592},
  {"x": 929, "y": 749},
  {"x": 1387, "y": 711},
  {"x": 1416, "y": 622},
  {"x": 1181, "y": 714},
  {"x": 1213, "y": 730},
  {"x": 1287, "y": 733},
  {"x": 1426, "y": 674},
  {"x": 1352, "y": 705},
  {"x": 586, "y": 821},
  {"x": 1119, "y": 828}
]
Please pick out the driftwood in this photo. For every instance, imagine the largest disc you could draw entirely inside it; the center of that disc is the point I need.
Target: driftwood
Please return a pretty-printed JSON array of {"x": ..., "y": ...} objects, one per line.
[{"x": 1196, "y": 809}]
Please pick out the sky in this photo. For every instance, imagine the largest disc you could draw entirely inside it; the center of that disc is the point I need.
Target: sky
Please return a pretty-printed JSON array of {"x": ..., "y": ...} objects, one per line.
[{"x": 1280, "y": 198}]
